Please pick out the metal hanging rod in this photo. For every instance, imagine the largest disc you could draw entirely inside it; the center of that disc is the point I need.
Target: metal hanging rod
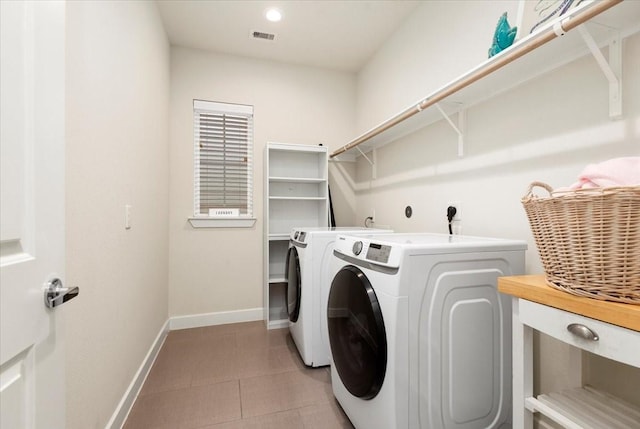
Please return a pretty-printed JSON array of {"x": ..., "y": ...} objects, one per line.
[{"x": 506, "y": 57}]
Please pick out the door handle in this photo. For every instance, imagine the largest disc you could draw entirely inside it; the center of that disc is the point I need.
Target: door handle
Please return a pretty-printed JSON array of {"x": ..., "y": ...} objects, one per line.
[
  {"x": 582, "y": 331},
  {"x": 55, "y": 294}
]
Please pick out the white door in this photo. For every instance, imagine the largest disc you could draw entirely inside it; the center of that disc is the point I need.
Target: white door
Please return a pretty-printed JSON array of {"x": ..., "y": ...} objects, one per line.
[{"x": 32, "y": 92}]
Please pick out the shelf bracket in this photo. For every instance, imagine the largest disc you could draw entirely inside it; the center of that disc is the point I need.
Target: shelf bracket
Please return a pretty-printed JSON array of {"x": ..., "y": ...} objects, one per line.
[
  {"x": 459, "y": 129},
  {"x": 611, "y": 68},
  {"x": 374, "y": 172},
  {"x": 365, "y": 156}
]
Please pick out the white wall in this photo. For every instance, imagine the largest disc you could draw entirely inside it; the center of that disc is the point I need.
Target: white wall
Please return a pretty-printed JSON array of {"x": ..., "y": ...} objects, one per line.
[
  {"x": 547, "y": 130},
  {"x": 439, "y": 41},
  {"x": 117, "y": 154},
  {"x": 217, "y": 270}
]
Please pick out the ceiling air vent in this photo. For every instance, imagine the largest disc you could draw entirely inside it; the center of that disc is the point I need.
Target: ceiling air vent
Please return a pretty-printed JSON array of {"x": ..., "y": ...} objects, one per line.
[{"x": 263, "y": 36}]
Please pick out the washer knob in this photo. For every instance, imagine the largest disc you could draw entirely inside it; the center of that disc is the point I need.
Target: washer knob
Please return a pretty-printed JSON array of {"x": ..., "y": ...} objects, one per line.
[
  {"x": 357, "y": 247},
  {"x": 295, "y": 236}
]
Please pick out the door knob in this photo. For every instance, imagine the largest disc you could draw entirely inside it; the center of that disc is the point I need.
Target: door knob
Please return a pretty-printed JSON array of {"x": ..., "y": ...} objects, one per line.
[{"x": 55, "y": 294}]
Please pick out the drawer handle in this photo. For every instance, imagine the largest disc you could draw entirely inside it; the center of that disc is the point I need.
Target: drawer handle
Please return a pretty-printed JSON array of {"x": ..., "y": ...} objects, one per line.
[{"x": 582, "y": 331}]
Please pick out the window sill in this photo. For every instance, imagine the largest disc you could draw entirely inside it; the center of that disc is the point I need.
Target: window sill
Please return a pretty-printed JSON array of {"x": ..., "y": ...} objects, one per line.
[{"x": 221, "y": 222}]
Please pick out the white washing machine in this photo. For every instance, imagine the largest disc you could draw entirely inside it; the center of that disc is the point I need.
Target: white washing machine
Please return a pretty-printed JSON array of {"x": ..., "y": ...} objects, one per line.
[
  {"x": 310, "y": 250},
  {"x": 419, "y": 335}
]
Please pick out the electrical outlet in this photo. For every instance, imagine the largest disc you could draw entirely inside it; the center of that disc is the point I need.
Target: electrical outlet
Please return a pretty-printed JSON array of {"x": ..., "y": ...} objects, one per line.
[
  {"x": 370, "y": 220},
  {"x": 458, "y": 206}
]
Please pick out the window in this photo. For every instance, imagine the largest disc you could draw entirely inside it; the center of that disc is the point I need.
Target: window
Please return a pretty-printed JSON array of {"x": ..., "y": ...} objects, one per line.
[{"x": 223, "y": 143}]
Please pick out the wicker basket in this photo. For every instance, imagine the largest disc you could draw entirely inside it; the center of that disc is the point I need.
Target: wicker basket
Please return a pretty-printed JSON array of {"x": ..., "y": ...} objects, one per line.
[{"x": 589, "y": 240}]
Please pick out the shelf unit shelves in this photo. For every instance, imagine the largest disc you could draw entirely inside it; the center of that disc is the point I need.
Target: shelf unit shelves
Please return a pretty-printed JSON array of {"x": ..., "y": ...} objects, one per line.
[
  {"x": 296, "y": 195},
  {"x": 586, "y": 407},
  {"x": 298, "y": 198},
  {"x": 535, "y": 55},
  {"x": 295, "y": 180}
]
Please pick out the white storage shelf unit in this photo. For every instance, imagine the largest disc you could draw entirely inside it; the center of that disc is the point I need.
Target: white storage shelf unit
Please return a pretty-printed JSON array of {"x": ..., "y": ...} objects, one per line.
[{"x": 296, "y": 195}]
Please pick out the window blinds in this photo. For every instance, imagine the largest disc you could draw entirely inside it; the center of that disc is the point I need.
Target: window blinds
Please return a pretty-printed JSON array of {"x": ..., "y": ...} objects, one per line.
[{"x": 223, "y": 159}]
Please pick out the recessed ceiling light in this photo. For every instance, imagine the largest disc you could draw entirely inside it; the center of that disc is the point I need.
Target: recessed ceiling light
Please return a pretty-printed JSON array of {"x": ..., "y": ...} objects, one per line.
[{"x": 273, "y": 15}]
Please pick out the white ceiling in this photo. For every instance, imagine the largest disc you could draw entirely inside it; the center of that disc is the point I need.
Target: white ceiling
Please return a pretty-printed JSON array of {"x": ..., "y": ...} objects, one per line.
[{"x": 334, "y": 34}]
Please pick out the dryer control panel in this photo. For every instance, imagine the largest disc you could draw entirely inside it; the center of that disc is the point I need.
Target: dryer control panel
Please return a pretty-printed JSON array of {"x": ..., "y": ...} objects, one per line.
[{"x": 378, "y": 253}]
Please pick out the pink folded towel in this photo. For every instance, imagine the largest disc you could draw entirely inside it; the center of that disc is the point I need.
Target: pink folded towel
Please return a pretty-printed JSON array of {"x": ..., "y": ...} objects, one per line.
[{"x": 614, "y": 172}]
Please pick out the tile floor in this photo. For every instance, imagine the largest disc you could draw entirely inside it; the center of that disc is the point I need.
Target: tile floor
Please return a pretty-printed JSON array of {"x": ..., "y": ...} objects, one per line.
[{"x": 236, "y": 376}]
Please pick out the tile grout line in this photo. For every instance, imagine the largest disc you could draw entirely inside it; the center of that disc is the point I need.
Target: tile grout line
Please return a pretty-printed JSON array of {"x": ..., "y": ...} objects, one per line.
[
  {"x": 240, "y": 399},
  {"x": 239, "y": 383}
]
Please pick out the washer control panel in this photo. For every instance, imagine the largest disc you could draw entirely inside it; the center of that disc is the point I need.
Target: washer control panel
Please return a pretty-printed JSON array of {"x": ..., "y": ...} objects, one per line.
[
  {"x": 378, "y": 252},
  {"x": 298, "y": 236},
  {"x": 372, "y": 249}
]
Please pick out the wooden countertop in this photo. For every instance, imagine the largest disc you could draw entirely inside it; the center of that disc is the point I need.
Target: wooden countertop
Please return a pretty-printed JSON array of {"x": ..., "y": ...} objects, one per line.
[{"x": 534, "y": 288}]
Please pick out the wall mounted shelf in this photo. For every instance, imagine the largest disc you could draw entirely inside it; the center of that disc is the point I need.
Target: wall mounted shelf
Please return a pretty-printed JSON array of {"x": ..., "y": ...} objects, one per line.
[{"x": 548, "y": 49}]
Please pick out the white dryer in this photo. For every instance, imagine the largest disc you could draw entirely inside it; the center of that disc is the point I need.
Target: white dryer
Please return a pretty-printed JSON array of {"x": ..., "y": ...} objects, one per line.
[
  {"x": 306, "y": 272},
  {"x": 419, "y": 335}
]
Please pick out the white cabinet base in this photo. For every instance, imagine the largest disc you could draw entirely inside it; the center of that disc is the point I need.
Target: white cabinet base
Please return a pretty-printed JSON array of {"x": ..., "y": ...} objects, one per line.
[{"x": 578, "y": 407}]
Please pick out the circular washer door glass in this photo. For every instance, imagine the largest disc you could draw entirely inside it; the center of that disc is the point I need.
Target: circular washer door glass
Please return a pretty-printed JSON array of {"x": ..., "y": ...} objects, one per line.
[
  {"x": 356, "y": 333},
  {"x": 292, "y": 273}
]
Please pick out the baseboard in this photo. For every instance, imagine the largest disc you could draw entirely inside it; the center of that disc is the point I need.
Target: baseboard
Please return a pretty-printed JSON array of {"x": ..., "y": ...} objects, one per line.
[
  {"x": 124, "y": 407},
  {"x": 173, "y": 323},
  {"x": 219, "y": 318}
]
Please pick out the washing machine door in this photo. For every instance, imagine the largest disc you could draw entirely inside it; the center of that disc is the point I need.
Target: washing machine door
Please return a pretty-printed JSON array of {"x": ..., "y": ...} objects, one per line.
[
  {"x": 356, "y": 333},
  {"x": 292, "y": 273}
]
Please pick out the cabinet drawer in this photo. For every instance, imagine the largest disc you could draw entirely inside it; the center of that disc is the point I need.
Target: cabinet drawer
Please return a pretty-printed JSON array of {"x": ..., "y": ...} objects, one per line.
[{"x": 613, "y": 342}]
